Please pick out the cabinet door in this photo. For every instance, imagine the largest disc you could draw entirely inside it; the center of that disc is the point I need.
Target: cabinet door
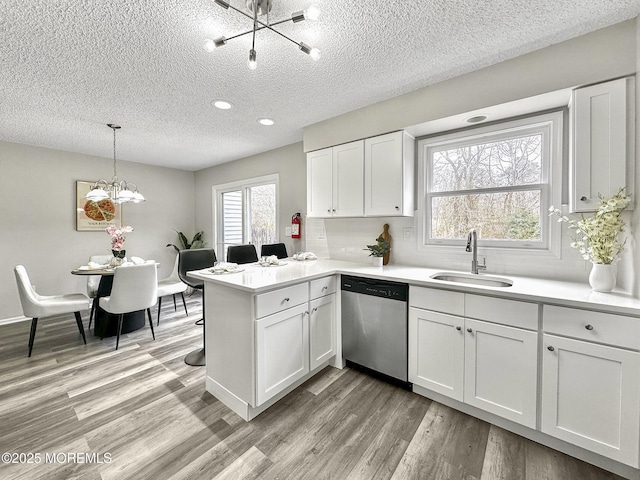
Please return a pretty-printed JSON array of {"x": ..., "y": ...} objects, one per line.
[
  {"x": 282, "y": 351},
  {"x": 322, "y": 330},
  {"x": 348, "y": 183},
  {"x": 319, "y": 180},
  {"x": 385, "y": 176},
  {"x": 600, "y": 143},
  {"x": 501, "y": 370},
  {"x": 591, "y": 397},
  {"x": 436, "y": 351}
]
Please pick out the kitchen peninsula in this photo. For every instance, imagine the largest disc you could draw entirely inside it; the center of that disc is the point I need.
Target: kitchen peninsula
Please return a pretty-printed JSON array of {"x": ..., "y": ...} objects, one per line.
[{"x": 269, "y": 329}]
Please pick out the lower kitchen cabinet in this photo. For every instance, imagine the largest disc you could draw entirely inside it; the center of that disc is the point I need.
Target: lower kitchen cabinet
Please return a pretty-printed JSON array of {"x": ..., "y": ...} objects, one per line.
[
  {"x": 322, "y": 330},
  {"x": 282, "y": 350},
  {"x": 436, "y": 351},
  {"x": 591, "y": 396},
  {"x": 500, "y": 370}
]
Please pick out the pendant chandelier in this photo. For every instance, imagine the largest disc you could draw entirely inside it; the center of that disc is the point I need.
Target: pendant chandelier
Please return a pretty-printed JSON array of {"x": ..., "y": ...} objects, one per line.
[
  {"x": 263, "y": 7},
  {"x": 118, "y": 191}
]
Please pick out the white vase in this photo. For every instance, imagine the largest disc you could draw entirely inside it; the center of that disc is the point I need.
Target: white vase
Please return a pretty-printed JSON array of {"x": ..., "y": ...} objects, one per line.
[
  {"x": 377, "y": 261},
  {"x": 602, "y": 277}
]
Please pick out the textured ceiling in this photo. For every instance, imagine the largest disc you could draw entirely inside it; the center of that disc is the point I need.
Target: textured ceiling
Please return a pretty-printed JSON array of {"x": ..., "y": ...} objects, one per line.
[{"x": 69, "y": 67}]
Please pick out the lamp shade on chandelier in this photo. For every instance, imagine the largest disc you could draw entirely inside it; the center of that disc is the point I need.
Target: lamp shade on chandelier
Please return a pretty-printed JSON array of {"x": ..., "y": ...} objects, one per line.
[
  {"x": 263, "y": 7},
  {"x": 118, "y": 191}
]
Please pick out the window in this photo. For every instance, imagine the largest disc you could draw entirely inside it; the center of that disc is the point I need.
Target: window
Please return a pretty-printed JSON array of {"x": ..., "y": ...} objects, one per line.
[
  {"x": 499, "y": 179},
  {"x": 246, "y": 212}
]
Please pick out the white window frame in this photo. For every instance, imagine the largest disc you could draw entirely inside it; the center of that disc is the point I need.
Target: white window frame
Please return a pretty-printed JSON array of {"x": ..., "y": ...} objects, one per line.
[
  {"x": 216, "y": 197},
  {"x": 551, "y": 127}
]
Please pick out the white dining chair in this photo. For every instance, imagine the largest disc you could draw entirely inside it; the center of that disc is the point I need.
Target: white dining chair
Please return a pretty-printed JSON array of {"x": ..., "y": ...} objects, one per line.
[
  {"x": 37, "y": 306},
  {"x": 93, "y": 281},
  {"x": 135, "y": 287},
  {"x": 172, "y": 285}
]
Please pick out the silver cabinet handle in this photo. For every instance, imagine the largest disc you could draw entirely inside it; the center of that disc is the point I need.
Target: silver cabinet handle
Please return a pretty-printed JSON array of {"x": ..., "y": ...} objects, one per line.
[
  {"x": 583, "y": 199},
  {"x": 328, "y": 210},
  {"x": 334, "y": 210},
  {"x": 324, "y": 288},
  {"x": 397, "y": 207},
  {"x": 286, "y": 299},
  {"x": 469, "y": 330},
  {"x": 458, "y": 328},
  {"x": 550, "y": 348},
  {"x": 315, "y": 309},
  {"x": 588, "y": 327}
]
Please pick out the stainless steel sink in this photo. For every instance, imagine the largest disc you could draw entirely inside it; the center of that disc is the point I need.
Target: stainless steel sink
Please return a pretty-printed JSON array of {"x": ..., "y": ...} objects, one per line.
[{"x": 469, "y": 278}]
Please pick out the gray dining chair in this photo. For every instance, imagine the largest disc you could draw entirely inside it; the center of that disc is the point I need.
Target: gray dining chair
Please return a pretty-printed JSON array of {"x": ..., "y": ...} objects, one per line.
[
  {"x": 135, "y": 287},
  {"x": 37, "y": 306},
  {"x": 172, "y": 285}
]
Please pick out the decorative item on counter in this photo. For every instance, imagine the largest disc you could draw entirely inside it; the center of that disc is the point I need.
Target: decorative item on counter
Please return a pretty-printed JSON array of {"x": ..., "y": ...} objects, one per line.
[
  {"x": 385, "y": 234},
  {"x": 184, "y": 243},
  {"x": 117, "y": 243},
  {"x": 378, "y": 250},
  {"x": 597, "y": 238}
]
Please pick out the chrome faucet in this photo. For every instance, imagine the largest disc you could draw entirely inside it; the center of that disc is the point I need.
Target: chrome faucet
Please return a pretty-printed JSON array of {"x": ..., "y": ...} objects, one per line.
[{"x": 472, "y": 246}]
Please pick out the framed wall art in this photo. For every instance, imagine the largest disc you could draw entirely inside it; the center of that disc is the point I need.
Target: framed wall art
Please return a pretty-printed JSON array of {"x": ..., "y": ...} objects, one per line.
[{"x": 94, "y": 216}]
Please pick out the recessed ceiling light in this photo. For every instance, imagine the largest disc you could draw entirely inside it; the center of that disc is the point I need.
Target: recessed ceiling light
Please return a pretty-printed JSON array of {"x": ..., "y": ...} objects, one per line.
[
  {"x": 266, "y": 121},
  {"x": 476, "y": 119},
  {"x": 222, "y": 104}
]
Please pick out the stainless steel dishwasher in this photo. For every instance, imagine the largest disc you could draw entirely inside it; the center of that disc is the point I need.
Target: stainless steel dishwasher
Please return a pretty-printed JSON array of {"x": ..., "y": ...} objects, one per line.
[{"x": 374, "y": 325}]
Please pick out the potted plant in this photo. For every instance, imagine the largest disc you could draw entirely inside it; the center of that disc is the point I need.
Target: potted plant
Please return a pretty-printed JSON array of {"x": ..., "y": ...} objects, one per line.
[
  {"x": 597, "y": 238},
  {"x": 377, "y": 251},
  {"x": 185, "y": 244}
]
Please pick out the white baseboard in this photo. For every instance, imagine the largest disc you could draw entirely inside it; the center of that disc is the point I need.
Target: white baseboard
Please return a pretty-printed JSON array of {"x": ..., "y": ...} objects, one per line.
[{"x": 6, "y": 321}]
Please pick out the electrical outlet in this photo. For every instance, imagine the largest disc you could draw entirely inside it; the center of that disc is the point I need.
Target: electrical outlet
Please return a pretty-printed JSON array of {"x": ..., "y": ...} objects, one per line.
[
  {"x": 408, "y": 233},
  {"x": 287, "y": 231}
]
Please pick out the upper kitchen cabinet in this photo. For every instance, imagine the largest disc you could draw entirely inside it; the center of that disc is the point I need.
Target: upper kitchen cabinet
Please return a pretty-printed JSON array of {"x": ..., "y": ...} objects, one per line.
[
  {"x": 335, "y": 181},
  {"x": 603, "y": 142},
  {"x": 388, "y": 175}
]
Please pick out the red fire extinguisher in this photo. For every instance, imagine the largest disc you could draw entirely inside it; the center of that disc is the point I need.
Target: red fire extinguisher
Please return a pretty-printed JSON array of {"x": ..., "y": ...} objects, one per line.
[{"x": 295, "y": 226}]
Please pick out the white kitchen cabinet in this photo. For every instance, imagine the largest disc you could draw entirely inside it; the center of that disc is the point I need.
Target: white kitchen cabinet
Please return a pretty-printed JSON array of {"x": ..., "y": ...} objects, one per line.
[
  {"x": 282, "y": 351},
  {"x": 335, "y": 181},
  {"x": 436, "y": 351},
  {"x": 603, "y": 142},
  {"x": 591, "y": 381},
  {"x": 501, "y": 370},
  {"x": 322, "y": 330},
  {"x": 487, "y": 364},
  {"x": 389, "y": 175}
]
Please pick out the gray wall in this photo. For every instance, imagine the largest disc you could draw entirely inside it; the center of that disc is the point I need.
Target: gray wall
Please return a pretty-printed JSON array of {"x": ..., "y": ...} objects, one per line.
[
  {"x": 290, "y": 162},
  {"x": 38, "y": 224},
  {"x": 591, "y": 58}
]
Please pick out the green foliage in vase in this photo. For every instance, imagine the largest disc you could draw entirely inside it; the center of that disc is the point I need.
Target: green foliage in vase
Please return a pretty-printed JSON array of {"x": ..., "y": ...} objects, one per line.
[
  {"x": 380, "y": 248},
  {"x": 597, "y": 236},
  {"x": 185, "y": 244}
]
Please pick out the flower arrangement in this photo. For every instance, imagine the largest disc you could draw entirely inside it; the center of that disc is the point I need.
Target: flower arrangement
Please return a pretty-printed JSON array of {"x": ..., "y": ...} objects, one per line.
[
  {"x": 597, "y": 235},
  {"x": 381, "y": 247},
  {"x": 117, "y": 239}
]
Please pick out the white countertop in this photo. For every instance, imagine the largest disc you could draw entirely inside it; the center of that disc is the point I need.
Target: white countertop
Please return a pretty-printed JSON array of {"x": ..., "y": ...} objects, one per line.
[{"x": 256, "y": 279}]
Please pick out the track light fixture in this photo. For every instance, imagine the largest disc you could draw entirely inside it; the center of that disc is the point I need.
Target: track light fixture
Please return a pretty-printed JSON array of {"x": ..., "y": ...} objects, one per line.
[{"x": 263, "y": 7}]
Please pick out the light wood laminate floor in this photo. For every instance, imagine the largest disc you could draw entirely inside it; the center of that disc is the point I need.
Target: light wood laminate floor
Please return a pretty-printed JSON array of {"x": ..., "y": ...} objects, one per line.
[{"x": 143, "y": 414}]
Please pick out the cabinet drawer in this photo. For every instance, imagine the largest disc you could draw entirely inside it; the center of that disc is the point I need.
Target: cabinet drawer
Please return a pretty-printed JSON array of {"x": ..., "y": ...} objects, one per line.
[
  {"x": 600, "y": 327},
  {"x": 512, "y": 313},
  {"x": 437, "y": 300},
  {"x": 322, "y": 286},
  {"x": 278, "y": 300}
]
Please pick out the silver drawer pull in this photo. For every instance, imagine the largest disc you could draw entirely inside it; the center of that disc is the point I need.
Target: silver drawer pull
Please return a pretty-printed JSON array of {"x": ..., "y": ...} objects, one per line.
[
  {"x": 469, "y": 330},
  {"x": 550, "y": 348},
  {"x": 588, "y": 327},
  {"x": 324, "y": 288},
  {"x": 583, "y": 199},
  {"x": 286, "y": 299},
  {"x": 458, "y": 328},
  {"x": 315, "y": 309}
]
